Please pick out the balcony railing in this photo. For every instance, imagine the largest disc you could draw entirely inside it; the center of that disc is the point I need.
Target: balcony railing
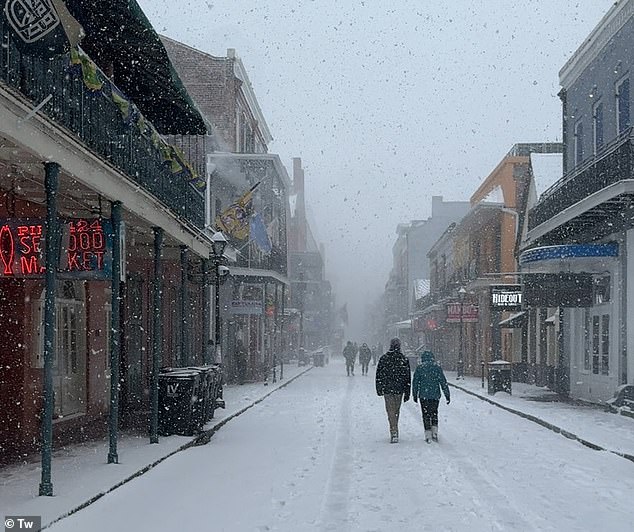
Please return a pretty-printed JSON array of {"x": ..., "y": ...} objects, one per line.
[
  {"x": 611, "y": 165},
  {"x": 248, "y": 257},
  {"x": 97, "y": 122}
]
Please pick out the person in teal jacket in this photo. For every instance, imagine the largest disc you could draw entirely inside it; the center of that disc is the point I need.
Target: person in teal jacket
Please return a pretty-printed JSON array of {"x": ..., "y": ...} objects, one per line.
[{"x": 429, "y": 379}]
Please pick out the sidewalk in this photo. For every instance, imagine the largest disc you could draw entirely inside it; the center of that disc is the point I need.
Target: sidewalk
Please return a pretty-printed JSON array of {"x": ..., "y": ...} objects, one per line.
[
  {"x": 591, "y": 425},
  {"x": 81, "y": 475}
]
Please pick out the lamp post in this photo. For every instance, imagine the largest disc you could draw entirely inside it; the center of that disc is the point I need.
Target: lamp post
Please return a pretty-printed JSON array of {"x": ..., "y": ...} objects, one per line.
[
  {"x": 218, "y": 244},
  {"x": 460, "y": 368}
]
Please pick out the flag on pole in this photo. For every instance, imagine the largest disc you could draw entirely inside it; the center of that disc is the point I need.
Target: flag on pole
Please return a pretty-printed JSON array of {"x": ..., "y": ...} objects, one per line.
[
  {"x": 234, "y": 220},
  {"x": 257, "y": 233}
]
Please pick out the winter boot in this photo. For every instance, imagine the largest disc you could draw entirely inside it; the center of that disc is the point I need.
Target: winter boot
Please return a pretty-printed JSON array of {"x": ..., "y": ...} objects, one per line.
[
  {"x": 434, "y": 432},
  {"x": 428, "y": 436},
  {"x": 394, "y": 437}
]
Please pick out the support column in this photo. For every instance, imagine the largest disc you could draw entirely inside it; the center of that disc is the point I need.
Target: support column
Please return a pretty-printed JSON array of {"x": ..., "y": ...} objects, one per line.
[
  {"x": 275, "y": 333},
  {"x": 115, "y": 331},
  {"x": 184, "y": 361},
  {"x": 157, "y": 332},
  {"x": 206, "y": 312},
  {"x": 51, "y": 183},
  {"x": 282, "y": 331}
]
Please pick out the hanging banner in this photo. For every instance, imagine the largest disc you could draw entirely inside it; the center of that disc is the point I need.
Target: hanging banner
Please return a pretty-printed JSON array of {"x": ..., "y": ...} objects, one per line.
[
  {"x": 42, "y": 28},
  {"x": 85, "y": 248}
]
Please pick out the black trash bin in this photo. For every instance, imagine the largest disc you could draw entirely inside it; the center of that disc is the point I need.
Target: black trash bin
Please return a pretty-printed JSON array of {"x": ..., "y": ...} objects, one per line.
[
  {"x": 207, "y": 392},
  {"x": 499, "y": 377},
  {"x": 180, "y": 401},
  {"x": 318, "y": 358}
]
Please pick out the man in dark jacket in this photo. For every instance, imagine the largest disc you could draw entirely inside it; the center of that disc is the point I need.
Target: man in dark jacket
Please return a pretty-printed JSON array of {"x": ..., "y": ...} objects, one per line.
[
  {"x": 428, "y": 381},
  {"x": 393, "y": 382},
  {"x": 364, "y": 357},
  {"x": 349, "y": 354}
]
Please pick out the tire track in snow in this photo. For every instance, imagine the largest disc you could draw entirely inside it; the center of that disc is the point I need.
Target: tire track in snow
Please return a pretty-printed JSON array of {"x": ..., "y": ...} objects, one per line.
[{"x": 334, "y": 507}]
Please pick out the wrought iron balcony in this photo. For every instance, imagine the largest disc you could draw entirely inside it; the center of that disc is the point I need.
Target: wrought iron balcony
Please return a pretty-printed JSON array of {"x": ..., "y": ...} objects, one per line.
[
  {"x": 98, "y": 123},
  {"x": 611, "y": 165}
]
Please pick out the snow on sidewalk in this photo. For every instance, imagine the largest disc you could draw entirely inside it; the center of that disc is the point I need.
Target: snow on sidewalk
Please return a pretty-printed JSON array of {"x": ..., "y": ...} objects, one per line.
[
  {"x": 587, "y": 422},
  {"x": 80, "y": 472}
]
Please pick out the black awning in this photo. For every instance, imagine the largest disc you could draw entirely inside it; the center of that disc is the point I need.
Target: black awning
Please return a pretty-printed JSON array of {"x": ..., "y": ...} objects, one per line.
[{"x": 121, "y": 40}]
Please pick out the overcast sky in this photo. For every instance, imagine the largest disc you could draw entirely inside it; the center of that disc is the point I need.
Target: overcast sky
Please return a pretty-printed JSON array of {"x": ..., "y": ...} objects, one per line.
[{"x": 389, "y": 103}]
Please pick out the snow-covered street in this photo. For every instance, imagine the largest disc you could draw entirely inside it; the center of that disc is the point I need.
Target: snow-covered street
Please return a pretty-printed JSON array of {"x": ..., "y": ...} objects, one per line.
[{"x": 315, "y": 456}]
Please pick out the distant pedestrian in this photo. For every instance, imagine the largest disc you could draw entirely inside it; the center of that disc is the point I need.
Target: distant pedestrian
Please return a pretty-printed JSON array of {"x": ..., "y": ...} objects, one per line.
[
  {"x": 241, "y": 361},
  {"x": 349, "y": 354},
  {"x": 393, "y": 383},
  {"x": 429, "y": 379},
  {"x": 364, "y": 358},
  {"x": 375, "y": 354}
]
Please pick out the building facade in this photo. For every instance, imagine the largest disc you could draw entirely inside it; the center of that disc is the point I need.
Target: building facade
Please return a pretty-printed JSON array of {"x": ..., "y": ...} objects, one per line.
[
  {"x": 579, "y": 234},
  {"x": 84, "y": 162}
]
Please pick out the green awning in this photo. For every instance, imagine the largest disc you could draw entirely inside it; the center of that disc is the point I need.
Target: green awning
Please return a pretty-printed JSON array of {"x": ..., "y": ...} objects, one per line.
[{"x": 121, "y": 40}]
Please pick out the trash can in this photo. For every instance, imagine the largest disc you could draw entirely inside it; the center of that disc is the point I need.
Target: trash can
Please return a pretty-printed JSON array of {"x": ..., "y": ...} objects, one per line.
[
  {"x": 499, "y": 378},
  {"x": 180, "y": 401},
  {"x": 206, "y": 400},
  {"x": 318, "y": 358}
]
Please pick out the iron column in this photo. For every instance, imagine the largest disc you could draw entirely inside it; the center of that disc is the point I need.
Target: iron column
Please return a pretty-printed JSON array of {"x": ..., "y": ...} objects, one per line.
[
  {"x": 157, "y": 337},
  {"x": 115, "y": 331},
  {"x": 51, "y": 182}
]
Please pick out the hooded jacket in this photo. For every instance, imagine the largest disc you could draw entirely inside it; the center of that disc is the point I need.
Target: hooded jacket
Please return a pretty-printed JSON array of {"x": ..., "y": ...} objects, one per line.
[
  {"x": 393, "y": 374},
  {"x": 429, "y": 379}
]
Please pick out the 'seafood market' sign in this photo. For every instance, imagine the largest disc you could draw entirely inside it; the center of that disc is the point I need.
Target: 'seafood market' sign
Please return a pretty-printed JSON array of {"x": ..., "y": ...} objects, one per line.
[{"x": 85, "y": 248}]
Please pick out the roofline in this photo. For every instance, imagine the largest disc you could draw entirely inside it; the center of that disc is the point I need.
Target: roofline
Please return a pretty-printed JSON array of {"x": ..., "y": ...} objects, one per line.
[
  {"x": 612, "y": 22},
  {"x": 240, "y": 72}
]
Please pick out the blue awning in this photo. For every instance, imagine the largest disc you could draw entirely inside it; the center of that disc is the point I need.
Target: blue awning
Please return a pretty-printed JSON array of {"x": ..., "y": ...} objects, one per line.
[{"x": 569, "y": 251}]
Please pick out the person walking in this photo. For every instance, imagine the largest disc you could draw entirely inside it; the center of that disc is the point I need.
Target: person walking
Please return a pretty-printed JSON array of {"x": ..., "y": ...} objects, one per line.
[
  {"x": 429, "y": 379},
  {"x": 349, "y": 354},
  {"x": 364, "y": 358},
  {"x": 375, "y": 351},
  {"x": 393, "y": 383}
]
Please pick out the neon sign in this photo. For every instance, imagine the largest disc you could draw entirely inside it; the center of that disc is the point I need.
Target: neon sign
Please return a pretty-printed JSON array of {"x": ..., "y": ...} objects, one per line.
[{"x": 85, "y": 248}]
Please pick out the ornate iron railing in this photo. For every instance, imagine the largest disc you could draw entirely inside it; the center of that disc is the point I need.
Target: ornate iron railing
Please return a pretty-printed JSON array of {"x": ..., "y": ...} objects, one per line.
[
  {"x": 97, "y": 122},
  {"x": 611, "y": 165}
]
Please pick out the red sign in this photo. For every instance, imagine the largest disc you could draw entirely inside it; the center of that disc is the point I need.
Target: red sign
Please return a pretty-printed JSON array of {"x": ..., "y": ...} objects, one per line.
[
  {"x": 469, "y": 312},
  {"x": 85, "y": 251}
]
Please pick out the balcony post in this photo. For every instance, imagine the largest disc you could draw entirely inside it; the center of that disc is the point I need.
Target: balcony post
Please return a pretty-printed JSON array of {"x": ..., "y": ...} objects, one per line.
[
  {"x": 51, "y": 182},
  {"x": 206, "y": 312},
  {"x": 115, "y": 331},
  {"x": 157, "y": 332},
  {"x": 184, "y": 359}
]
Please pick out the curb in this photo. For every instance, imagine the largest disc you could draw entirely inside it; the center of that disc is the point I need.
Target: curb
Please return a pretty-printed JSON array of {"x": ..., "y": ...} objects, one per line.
[
  {"x": 546, "y": 424},
  {"x": 200, "y": 439}
]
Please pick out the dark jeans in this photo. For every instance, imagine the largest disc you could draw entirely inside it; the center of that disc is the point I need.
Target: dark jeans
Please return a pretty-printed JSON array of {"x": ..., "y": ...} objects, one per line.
[
  {"x": 429, "y": 408},
  {"x": 350, "y": 367},
  {"x": 364, "y": 366}
]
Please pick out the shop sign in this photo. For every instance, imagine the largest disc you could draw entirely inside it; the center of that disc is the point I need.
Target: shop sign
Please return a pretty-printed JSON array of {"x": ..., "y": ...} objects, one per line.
[
  {"x": 506, "y": 297},
  {"x": 85, "y": 248},
  {"x": 462, "y": 312},
  {"x": 246, "y": 306}
]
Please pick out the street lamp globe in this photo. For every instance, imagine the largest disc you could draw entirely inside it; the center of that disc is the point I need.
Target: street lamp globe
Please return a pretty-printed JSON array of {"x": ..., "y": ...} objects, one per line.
[{"x": 218, "y": 243}]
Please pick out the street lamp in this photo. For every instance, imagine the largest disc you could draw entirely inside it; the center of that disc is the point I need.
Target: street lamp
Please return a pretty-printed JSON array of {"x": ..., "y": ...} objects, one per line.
[
  {"x": 218, "y": 244},
  {"x": 461, "y": 294}
]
